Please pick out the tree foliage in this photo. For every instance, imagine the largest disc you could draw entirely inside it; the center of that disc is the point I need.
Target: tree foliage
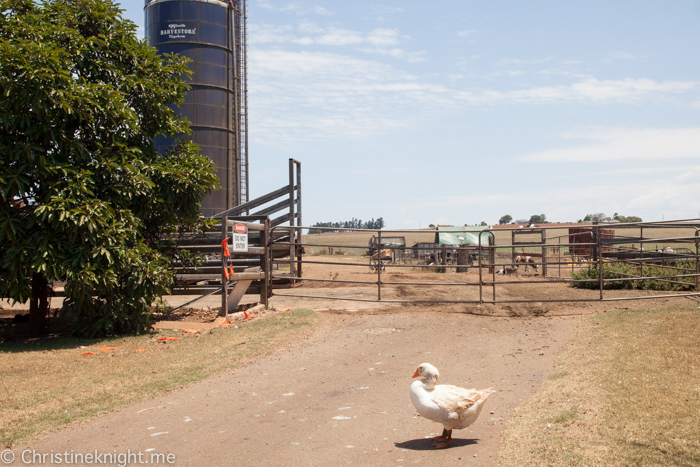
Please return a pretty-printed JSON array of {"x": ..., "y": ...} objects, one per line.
[
  {"x": 351, "y": 224},
  {"x": 84, "y": 195},
  {"x": 601, "y": 217},
  {"x": 505, "y": 219},
  {"x": 538, "y": 219}
]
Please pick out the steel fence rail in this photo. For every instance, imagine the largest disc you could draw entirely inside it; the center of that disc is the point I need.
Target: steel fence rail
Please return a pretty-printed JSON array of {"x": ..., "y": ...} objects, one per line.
[{"x": 601, "y": 252}]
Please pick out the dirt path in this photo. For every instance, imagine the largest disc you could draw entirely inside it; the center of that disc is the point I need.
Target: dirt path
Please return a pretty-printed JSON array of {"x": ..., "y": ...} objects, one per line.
[{"x": 341, "y": 398}]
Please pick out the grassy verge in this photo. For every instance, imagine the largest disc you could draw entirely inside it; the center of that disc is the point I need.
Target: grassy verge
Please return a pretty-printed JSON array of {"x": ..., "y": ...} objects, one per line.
[
  {"x": 625, "y": 392},
  {"x": 48, "y": 384}
]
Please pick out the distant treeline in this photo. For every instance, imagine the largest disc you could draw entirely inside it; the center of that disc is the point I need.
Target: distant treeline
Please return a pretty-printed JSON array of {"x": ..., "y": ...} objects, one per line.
[
  {"x": 351, "y": 224},
  {"x": 601, "y": 217}
]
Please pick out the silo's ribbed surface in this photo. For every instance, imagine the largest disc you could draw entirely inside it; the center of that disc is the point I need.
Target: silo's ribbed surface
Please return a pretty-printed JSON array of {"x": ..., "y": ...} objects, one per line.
[{"x": 204, "y": 31}]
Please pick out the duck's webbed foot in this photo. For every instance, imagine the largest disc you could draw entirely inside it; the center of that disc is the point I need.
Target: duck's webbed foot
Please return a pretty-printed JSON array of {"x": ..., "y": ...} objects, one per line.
[{"x": 446, "y": 438}]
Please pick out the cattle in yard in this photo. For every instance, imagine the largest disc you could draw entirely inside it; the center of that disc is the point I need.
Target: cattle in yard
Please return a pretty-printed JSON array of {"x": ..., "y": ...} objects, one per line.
[
  {"x": 527, "y": 260},
  {"x": 507, "y": 271},
  {"x": 384, "y": 254}
]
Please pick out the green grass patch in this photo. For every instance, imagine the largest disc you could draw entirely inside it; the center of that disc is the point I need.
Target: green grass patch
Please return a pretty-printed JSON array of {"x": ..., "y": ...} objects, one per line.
[{"x": 48, "y": 384}]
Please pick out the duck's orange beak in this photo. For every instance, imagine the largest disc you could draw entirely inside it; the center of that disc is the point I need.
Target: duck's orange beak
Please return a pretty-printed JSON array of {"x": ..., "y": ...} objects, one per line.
[{"x": 415, "y": 374}]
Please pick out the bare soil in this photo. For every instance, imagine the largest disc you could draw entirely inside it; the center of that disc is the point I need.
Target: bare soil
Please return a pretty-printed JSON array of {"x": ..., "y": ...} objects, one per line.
[
  {"x": 337, "y": 393},
  {"x": 340, "y": 395}
]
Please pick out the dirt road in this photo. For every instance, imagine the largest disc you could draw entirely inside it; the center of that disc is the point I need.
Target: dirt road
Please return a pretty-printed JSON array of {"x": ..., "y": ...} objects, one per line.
[{"x": 342, "y": 398}]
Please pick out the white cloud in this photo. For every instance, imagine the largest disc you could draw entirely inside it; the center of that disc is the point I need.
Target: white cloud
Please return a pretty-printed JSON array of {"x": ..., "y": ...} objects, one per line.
[
  {"x": 336, "y": 36},
  {"x": 381, "y": 41},
  {"x": 381, "y": 9},
  {"x": 626, "y": 144},
  {"x": 319, "y": 10},
  {"x": 383, "y": 37},
  {"x": 622, "y": 56},
  {"x": 296, "y": 7},
  {"x": 309, "y": 27},
  {"x": 590, "y": 90},
  {"x": 517, "y": 61},
  {"x": 302, "y": 95},
  {"x": 650, "y": 198},
  {"x": 469, "y": 33}
]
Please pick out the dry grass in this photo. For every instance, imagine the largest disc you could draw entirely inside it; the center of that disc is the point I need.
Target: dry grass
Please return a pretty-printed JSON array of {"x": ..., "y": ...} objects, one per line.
[
  {"x": 625, "y": 392},
  {"x": 48, "y": 384}
]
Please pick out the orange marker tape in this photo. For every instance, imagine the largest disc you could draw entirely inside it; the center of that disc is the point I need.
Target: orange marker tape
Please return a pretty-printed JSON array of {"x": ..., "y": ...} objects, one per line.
[{"x": 224, "y": 245}]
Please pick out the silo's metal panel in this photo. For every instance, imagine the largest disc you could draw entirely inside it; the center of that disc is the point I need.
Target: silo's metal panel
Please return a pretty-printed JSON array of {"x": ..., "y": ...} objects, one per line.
[{"x": 203, "y": 31}]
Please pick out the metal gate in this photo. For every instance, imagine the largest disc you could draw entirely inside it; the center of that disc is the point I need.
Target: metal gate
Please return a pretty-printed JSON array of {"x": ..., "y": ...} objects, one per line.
[{"x": 658, "y": 258}]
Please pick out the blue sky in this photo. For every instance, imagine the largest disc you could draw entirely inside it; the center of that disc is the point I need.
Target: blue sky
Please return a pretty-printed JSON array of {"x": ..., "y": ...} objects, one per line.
[{"x": 462, "y": 111}]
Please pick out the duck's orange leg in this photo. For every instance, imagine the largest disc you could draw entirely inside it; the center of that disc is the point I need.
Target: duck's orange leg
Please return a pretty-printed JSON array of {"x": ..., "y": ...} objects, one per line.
[
  {"x": 447, "y": 440},
  {"x": 442, "y": 437}
]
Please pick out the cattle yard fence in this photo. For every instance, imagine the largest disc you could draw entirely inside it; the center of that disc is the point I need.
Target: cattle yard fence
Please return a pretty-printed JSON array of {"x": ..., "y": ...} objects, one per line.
[{"x": 661, "y": 258}]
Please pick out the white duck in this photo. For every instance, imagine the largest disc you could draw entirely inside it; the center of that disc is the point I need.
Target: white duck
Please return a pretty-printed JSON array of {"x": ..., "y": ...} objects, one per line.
[{"x": 452, "y": 406}]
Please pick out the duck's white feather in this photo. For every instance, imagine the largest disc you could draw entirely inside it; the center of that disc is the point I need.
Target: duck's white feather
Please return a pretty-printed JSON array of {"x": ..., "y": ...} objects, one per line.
[{"x": 454, "y": 407}]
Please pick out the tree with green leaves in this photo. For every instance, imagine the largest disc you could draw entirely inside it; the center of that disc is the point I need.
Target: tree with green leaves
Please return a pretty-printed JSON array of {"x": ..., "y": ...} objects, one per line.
[
  {"x": 538, "y": 219},
  {"x": 505, "y": 219},
  {"x": 84, "y": 195}
]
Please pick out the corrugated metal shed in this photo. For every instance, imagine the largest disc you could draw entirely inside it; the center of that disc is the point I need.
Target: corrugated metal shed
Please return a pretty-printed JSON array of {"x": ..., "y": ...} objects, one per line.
[{"x": 461, "y": 235}]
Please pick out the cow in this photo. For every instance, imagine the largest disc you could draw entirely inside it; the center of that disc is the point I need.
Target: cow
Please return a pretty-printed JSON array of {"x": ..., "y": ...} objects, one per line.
[
  {"x": 507, "y": 271},
  {"x": 528, "y": 260},
  {"x": 383, "y": 254}
]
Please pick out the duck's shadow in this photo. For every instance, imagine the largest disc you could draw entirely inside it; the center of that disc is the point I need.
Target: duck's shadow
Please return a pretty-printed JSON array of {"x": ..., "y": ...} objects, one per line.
[{"x": 427, "y": 444}]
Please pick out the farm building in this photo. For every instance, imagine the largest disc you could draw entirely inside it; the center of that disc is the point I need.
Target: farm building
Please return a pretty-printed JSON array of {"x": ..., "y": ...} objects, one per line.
[{"x": 446, "y": 236}]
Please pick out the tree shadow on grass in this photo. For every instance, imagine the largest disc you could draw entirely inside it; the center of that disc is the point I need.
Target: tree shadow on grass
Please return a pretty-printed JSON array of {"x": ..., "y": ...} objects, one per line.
[
  {"x": 426, "y": 444},
  {"x": 44, "y": 343}
]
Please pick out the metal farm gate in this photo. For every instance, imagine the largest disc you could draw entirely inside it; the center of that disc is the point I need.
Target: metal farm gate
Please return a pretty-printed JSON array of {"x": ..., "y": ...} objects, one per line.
[
  {"x": 211, "y": 262},
  {"x": 598, "y": 257}
]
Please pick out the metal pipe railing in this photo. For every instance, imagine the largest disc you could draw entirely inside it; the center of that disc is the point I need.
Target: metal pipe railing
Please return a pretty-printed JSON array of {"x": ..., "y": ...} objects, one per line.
[{"x": 602, "y": 250}]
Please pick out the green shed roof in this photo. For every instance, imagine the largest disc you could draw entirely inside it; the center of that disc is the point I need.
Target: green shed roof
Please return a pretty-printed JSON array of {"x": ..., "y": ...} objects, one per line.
[{"x": 461, "y": 236}]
